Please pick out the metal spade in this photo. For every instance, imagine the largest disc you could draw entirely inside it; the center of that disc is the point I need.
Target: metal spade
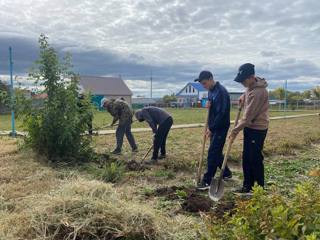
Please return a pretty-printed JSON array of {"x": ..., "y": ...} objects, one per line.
[{"x": 216, "y": 190}]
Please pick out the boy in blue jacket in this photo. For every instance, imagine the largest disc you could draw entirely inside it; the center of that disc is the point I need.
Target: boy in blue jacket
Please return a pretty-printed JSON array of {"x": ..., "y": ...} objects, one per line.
[{"x": 218, "y": 126}]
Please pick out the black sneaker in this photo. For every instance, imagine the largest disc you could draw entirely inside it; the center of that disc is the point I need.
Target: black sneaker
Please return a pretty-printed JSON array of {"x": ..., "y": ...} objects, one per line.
[
  {"x": 162, "y": 156},
  {"x": 203, "y": 186},
  {"x": 135, "y": 150},
  {"x": 116, "y": 151},
  {"x": 152, "y": 161},
  {"x": 227, "y": 175},
  {"x": 243, "y": 190}
]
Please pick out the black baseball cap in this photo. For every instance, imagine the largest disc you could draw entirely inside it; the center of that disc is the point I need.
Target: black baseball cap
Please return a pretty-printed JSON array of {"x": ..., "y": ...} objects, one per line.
[
  {"x": 204, "y": 75},
  {"x": 245, "y": 71}
]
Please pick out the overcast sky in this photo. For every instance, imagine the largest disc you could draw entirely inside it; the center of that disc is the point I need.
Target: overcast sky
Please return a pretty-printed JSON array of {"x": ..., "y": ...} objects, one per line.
[{"x": 175, "y": 39}]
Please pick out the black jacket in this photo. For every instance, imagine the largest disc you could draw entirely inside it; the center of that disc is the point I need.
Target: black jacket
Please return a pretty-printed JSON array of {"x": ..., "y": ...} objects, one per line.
[
  {"x": 153, "y": 115},
  {"x": 219, "y": 116}
]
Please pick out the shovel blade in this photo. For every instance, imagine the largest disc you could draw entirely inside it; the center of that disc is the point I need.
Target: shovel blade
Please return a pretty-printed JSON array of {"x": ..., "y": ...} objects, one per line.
[{"x": 216, "y": 190}]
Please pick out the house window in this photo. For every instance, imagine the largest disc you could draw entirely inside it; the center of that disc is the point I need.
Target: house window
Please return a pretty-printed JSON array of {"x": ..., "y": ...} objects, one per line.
[
  {"x": 193, "y": 90},
  {"x": 189, "y": 89},
  {"x": 186, "y": 89}
]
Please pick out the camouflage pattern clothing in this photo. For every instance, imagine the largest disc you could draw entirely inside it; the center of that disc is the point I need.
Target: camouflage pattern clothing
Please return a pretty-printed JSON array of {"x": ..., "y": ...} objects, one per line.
[{"x": 120, "y": 110}]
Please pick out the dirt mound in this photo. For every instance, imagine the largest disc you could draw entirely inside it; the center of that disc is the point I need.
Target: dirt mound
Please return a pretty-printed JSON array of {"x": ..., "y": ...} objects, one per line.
[
  {"x": 197, "y": 203},
  {"x": 224, "y": 208},
  {"x": 193, "y": 201},
  {"x": 135, "y": 166}
]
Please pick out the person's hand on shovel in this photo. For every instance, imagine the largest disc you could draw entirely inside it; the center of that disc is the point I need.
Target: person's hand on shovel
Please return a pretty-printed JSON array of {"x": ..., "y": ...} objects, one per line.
[
  {"x": 232, "y": 136},
  {"x": 208, "y": 133},
  {"x": 241, "y": 101}
]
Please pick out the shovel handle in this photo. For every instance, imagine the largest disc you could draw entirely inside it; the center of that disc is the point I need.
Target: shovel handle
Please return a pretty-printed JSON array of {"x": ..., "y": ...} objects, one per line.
[
  {"x": 236, "y": 121},
  {"x": 200, "y": 164},
  {"x": 109, "y": 126},
  {"x": 145, "y": 156}
]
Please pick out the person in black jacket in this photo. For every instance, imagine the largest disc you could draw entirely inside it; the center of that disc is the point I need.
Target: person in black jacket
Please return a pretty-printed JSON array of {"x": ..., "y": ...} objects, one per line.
[
  {"x": 160, "y": 122},
  {"x": 218, "y": 126}
]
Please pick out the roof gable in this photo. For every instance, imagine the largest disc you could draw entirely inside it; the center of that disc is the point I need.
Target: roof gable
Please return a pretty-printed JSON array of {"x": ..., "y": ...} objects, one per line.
[
  {"x": 111, "y": 86},
  {"x": 198, "y": 86}
]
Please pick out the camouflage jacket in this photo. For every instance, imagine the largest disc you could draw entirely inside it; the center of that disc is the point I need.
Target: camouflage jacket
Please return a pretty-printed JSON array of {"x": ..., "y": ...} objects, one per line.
[{"x": 120, "y": 110}]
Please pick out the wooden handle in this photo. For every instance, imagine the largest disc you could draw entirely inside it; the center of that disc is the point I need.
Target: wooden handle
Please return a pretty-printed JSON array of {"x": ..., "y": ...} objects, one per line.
[
  {"x": 229, "y": 147},
  {"x": 145, "y": 156},
  {"x": 236, "y": 121},
  {"x": 203, "y": 148}
]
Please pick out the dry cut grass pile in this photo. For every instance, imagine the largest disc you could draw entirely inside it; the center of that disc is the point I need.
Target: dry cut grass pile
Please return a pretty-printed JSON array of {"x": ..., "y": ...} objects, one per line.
[{"x": 38, "y": 202}]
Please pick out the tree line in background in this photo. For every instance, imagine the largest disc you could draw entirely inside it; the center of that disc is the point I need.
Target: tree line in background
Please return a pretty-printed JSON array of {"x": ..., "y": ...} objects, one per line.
[
  {"x": 293, "y": 96},
  {"x": 276, "y": 94}
]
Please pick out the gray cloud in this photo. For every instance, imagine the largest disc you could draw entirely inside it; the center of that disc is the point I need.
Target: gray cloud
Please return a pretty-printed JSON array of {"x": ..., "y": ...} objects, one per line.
[{"x": 175, "y": 39}]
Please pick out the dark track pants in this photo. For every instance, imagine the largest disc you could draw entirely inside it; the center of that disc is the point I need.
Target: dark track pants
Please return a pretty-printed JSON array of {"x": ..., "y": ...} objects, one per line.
[
  {"x": 160, "y": 138},
  {"x": 215, "y": 154},
  {"x": 252, "y": 157},
  {"x": 125, "y": 129}
]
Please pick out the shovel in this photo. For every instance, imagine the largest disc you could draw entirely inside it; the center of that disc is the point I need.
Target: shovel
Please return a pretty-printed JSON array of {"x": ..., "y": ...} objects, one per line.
[
  {"x": 200, "y": 164},
  {"x": 216, "y": 189},
  {"x": 104, "y": 127},
  {"x": 110, "y": 126},
  {"x": 145, "y": 156}
]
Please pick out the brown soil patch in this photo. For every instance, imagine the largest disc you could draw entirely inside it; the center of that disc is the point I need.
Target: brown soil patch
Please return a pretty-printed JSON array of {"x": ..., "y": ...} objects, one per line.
[
  {"x": 135, "y": 166},
  {"x": 223, "y": 208},
  {"x": 193, "y": 202},
  {"x": 197, "y": 203}
]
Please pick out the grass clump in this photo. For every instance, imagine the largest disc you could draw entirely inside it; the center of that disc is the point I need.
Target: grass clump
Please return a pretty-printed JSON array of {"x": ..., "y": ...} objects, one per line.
[{"x": 112, "y": 171}]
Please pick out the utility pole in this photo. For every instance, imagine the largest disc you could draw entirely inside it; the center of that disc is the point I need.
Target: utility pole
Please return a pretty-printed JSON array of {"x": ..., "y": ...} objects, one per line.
[
  {"x": 13, "y": 133},
  {"x": 151, "y": 85},
  {"x": 285, "y": 95}
]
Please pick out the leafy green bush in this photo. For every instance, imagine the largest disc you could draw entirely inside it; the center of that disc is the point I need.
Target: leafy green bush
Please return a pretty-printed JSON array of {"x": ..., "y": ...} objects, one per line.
[
  {"x": 274, "y": 216},
  {"x": 57, "y": 129}
]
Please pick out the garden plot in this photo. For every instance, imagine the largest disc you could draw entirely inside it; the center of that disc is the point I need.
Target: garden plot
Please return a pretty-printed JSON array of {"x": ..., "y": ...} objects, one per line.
[{"x": 106, "y": 198}]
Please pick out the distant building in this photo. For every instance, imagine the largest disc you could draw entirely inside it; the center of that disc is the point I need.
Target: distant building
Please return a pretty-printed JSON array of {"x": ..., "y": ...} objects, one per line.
[
  {"x": 110, "y": 87},
  {"x": 234, "y": 97},
  {"x": 195, "y": 95},
  {"x": 141, "y": 102},
  {"x": 191, "y": 95}
]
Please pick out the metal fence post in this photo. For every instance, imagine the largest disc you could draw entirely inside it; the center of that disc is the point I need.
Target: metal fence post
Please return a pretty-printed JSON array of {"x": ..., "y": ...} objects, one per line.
[{"x": 13, "y": 131}]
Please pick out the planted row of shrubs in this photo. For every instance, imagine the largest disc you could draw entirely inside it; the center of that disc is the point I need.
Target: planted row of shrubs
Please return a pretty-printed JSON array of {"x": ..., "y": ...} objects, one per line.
[{"x": 271, "y": 215}]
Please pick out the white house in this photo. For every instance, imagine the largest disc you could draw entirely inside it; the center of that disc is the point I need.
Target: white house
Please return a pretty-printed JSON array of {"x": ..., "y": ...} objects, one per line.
[
  {"x": 194, "y": 94},
  {"x": 191, "y": 94}
]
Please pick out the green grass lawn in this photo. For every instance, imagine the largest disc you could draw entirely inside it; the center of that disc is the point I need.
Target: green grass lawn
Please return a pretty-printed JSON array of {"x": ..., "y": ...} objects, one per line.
[
  {"x": 44, "y": 197},
  {"x": 180, "y": 116}
]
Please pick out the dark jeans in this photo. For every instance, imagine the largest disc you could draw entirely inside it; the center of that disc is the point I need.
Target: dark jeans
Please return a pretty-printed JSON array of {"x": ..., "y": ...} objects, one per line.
[
  {"x": 125, "y": 129},
  {"x": 252, "y": 157},
  {"x": 215, "y": 154},
  {"x": 160, "y": 138}
]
